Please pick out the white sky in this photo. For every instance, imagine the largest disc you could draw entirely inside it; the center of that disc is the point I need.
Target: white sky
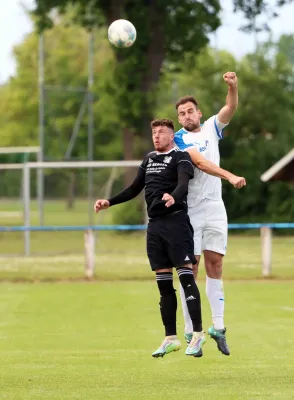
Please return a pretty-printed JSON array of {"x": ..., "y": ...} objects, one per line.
[{"x": 14, "y": 24}]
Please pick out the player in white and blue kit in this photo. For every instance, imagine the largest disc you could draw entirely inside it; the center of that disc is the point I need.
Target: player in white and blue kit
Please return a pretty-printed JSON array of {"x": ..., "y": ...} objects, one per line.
[{"x": 206, "y": 208}]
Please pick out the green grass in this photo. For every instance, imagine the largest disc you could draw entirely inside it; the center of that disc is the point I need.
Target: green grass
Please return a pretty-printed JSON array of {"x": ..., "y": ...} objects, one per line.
[
  {"x": 56, "y": 212},
  {"x": 94, "y": 341},
  {"x": 123, "y": 256},
  {"x": 60, "y": 255}
]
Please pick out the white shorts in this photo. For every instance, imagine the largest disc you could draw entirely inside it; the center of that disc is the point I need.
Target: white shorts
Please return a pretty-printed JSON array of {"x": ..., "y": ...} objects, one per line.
[{"x": 210, "y": 224}]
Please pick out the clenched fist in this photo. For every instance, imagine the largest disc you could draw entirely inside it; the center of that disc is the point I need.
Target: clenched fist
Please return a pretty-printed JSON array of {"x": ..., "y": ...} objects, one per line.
[
  {"x": 237, "y": 181},
  {"x": 230, "y": 78},
  {"x": 101, "y": 204},
  {"x": 169, "y": 199}
]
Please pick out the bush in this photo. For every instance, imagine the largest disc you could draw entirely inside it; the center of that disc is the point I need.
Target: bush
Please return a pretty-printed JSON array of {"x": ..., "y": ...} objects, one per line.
[{"x": 129, "y": 213}]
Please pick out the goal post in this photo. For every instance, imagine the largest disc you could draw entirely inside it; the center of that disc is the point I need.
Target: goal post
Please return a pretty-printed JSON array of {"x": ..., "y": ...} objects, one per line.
[
  {"x": 29, "y": 150},
  {"x": 106, "y": 175},
  {"x": 26, "y": 172},
  {"x": 20, "y": 150}
]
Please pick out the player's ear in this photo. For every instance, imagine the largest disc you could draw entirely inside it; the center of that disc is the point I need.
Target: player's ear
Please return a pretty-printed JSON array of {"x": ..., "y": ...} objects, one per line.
[{"x": 199, "y": 113}]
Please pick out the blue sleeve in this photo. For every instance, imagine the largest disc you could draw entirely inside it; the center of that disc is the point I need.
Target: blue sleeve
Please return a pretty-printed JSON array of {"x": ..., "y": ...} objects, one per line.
[
  {"x": 180, "y": 142},
  {"x": 219, "y": 127}
]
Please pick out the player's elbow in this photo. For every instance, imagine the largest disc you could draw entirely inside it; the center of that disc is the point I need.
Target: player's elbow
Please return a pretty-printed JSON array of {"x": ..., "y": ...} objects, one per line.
[
  {"x": 207, "y": 167},
  {"x": 202, "y": 165},
  {"x": 198, "y": 160}
]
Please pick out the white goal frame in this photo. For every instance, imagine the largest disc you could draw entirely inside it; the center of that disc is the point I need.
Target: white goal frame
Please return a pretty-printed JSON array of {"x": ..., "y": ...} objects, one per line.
[
  {"x": 41, "y": 165},
  {"x": 265, "y": 229},
  {"x": 27, "y": 150}
]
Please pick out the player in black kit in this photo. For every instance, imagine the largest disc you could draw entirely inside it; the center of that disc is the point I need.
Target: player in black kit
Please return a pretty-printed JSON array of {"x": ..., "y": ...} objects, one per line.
[{"x": 165, "y": 175}]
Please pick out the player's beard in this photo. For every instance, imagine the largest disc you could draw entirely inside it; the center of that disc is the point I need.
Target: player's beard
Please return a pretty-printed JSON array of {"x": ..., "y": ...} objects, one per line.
[
  {"x": 192, "y": 126},
  {"x": 161, "y": 148}
]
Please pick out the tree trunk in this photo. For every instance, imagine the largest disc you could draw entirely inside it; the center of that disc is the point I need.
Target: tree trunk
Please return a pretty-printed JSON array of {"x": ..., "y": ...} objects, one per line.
[
  {"x": 155, "y": 56},
  {"x": 151, "y": 60},
  {"x": 128, "y": 148},
  {"x": 71, "y": 190}
]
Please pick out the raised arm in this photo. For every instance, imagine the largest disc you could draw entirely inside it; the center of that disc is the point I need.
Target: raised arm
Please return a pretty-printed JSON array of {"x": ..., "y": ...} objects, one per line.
[
  {"x": 227, "y": 112},
  {"x": 212, "y": 169},
  {"x": 125, "y": 195}
]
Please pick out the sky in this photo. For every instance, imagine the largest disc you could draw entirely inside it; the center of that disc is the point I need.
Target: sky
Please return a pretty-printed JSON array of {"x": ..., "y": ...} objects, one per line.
[{"x": 14, "y": 25}]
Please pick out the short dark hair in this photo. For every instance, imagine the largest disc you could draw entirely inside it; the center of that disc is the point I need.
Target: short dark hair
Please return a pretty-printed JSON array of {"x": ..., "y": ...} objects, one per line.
[
  {"x": 163, "y": 122},
  {"x": 186, "y": 99}
]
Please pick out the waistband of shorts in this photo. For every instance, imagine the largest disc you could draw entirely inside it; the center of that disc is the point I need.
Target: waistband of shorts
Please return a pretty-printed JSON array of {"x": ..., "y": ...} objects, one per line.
[
  {"x": 201, "y": 200},
  {"x": 166, "y": 216}
]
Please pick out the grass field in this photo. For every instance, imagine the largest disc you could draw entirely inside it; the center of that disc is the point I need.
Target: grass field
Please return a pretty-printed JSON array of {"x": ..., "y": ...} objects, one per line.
[
  {"x": 60, "y": 255},
  {"x": 94, "y": 341},
  {"x": 71, "y": 339},
  {"x": 56, "y": 212},
  {"x": 123, "y": 256}
]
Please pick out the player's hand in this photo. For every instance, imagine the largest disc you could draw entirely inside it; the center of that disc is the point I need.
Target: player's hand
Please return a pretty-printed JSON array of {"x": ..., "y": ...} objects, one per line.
[
  {"x": 230, "y": 78},
  {"x": 101, "y": 204},
  {"x": 169, "y": 199},
  {"x": 237, "y": 181}
]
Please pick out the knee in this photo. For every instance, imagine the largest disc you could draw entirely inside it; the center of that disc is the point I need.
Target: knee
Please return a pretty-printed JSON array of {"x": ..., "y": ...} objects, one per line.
[
  {"x": 214, "y": 268},
  {"x": 195, "y": 267},
  {"x": 195, "y": 270}
]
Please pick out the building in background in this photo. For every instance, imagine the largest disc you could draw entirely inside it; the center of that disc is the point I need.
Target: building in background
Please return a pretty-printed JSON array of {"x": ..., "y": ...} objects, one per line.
[{"x": 283, "y": 170}]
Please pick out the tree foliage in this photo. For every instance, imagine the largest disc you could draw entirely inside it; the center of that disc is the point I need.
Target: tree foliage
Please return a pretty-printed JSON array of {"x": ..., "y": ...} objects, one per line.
[
  {"x": 66, "y": 71},
  {"x": 260, "y": 133},
  {"x": 166, "y": 30},
  {"x": 254, "y": 8}
]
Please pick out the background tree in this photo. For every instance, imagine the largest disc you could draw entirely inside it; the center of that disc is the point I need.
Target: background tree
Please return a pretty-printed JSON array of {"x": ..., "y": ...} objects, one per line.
[
  {"x": 65, "y": 66},
  {"x": 260, "y": 133},
  {"x": 166, "y": 30}
]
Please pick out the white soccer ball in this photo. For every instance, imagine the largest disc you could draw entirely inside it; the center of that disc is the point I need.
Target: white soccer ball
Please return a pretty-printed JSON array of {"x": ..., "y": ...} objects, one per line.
[{"x": 122, "y": 33}]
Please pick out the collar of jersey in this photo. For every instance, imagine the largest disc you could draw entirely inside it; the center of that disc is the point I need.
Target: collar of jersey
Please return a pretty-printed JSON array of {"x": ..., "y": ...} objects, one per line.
[
  {"x": 159, "y": 153},
  {"x": 201, "y": 125}
]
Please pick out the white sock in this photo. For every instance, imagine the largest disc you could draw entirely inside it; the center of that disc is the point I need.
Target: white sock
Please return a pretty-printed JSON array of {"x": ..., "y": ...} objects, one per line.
[
  {"x": 216, "y": 298},
  {"x": 187, "y": 319},
  {"x": 173, "y": 337}
]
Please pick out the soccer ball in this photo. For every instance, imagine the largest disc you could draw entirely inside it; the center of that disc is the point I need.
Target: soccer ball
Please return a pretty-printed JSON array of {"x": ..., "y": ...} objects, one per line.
[{"x": 122, "y": 33}]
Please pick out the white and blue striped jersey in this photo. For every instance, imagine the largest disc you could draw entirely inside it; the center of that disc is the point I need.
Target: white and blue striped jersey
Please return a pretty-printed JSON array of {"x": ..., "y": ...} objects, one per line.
[{"x": 203, "y": 186}]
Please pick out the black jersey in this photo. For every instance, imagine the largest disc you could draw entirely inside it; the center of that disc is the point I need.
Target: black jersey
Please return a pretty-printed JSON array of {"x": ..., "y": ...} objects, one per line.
[{"x": 161, "y": 173}]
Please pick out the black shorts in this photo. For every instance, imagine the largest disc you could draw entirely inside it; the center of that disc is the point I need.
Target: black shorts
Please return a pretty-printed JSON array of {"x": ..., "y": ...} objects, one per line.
[{"x": 170, "y": 241}]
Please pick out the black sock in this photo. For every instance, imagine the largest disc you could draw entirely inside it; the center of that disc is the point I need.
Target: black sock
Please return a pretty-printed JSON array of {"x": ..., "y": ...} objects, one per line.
[
  {"x": 192, "y": 296},
  {"x": 168, "y": 302}
]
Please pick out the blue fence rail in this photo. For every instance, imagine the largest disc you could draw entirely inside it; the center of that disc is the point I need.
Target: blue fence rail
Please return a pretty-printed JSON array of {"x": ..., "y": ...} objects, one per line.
[
  {"x": 282, "y": 225},
  {"x": 265, "y": 235}
]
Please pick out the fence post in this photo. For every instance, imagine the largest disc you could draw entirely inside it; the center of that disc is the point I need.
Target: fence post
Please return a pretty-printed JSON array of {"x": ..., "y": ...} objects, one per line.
[
  {"x": 26, "y": 182},
  {"x": 266, "y": 250},
  {"x": 89, "y": 254}
]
